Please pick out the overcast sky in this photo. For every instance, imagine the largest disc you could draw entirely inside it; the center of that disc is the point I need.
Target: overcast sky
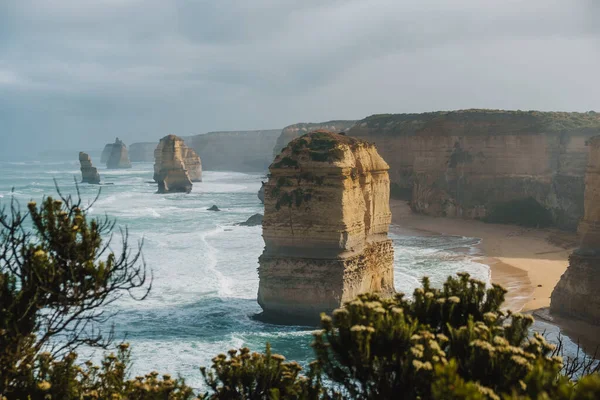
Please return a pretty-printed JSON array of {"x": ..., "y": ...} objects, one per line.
[{"x": 75, "y": 74}]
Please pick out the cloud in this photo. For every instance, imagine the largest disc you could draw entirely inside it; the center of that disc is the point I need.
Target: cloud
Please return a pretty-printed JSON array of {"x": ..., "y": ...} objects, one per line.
[{"x": 76, "y": 73}]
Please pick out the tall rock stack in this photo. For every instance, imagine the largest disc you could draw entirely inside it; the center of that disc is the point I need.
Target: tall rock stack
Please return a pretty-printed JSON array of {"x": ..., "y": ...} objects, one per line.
[
  {"x": 89, "y": 173},
  {"x": 292, "y": 132},
  {"x": 170, "y": 170},
  {"x": 118, "y": 158},
  {"x": 325, "y": 227},
  {"x": 106, "y": 153},
  {"x": 577, "y": 294}
]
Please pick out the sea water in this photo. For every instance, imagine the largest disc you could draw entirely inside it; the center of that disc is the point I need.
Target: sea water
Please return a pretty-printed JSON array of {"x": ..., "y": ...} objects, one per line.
[{"x": 204, "y": 266}]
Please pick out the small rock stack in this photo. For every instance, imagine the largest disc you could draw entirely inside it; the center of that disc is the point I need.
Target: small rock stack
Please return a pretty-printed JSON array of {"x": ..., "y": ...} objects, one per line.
[
  {"x": 176, "y": 166},
  {"x": 89, "y": 173},
  {"x": 118, "y": 158}
]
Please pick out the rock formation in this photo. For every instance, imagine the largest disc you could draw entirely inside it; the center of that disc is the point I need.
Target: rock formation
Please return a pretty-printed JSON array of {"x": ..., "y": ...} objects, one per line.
[
  {"x": 254, "y": 220},
  {"x": 142, "y": 152},
  {"x": 577, "y": 294},
  {"x": 467, "y": 163},
  {"x": 292, "y": 132},
  {"x": 261, "y": 193},
  {"x": 118, "y": 158},
  {"x": 192, "y": 163},
  {"x": 170, "y": 171},
  {"x": 213, "y": 208},
  {"x": 325, "y": 227},
  {"x": 89, "y": 173},
  {"x": 243, "y": 151},
  {"x": 106, "y": 153}
]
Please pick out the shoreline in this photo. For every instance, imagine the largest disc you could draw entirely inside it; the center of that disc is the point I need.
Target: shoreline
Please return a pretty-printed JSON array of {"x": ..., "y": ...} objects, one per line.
[{"x": 528, "y": 262}]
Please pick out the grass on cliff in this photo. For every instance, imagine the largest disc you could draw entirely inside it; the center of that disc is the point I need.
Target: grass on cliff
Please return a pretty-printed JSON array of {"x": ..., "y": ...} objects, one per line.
[{"x": 482, "y": 121}]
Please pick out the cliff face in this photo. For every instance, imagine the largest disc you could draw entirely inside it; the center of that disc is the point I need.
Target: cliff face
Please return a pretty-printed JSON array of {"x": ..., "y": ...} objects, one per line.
[
  {"x": 467, "y": 163},
  {"x": 577, "y": 293},
  {"x": 292, "y": 132},
  {"x": 243, "y": 151},
  {"x": 325, "y": 227},
  {"x": 142, "y": 152},
  {"x": 169, "y": 166},
  {"x": 89, "y": 173},
  {"x": 118, "y": 158}
]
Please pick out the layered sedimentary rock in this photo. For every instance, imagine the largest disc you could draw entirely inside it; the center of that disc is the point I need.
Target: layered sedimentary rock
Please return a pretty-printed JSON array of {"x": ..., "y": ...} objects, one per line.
[
  {"x": 170, "y": 171},
  {"x": 192, "y": 163},
  {"x": 142, "y": 152},
  {"x": 89, "y": 173},
  {"x": 467, "y": 163},
  {"x": 292, "y": 132},
  {"x": 577, "y": 294},
  {"x": 325, "y": 227},
  {"x": 243, "y": 151},
  {"x": 118, "y": 158}
]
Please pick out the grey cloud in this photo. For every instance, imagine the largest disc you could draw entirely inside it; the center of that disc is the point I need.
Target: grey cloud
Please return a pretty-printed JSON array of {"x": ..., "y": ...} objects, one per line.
[{"x": 87, "y": 71}]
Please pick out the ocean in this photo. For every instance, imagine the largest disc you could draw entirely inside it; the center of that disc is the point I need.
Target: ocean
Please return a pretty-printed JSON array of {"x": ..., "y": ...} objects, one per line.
[{"x": 205, "y": 267}]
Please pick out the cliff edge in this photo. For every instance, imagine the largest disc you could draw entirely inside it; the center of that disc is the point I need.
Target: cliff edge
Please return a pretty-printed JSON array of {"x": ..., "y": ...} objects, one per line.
[
  {"x": 577, "y": 294},
  {"x": 325, "y": 227},
  {"x": 470, "y": 163}
]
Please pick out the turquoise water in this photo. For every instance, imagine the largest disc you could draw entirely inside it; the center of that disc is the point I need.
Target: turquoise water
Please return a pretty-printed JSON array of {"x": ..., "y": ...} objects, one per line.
[{"x": 205, "y": 268}]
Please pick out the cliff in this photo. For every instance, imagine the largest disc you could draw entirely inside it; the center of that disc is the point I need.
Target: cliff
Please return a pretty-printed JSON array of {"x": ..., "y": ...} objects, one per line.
[
  {"x": 292, "y": 132},
  {"x": 577, "y": 293},
  {"x": 470, "y": 163},
  {"x": 89, "y": 173},
  {"x": 142, "y": 152},
  {"x": 243, "y": 151},
  {"x": 118, "y": 158},
  {"x": 170, "y": 171},
  {"x": 325, "y": 227}
]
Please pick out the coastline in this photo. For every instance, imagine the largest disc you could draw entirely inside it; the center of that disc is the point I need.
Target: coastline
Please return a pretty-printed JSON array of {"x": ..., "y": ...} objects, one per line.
[{"x": 527, "y": 262}]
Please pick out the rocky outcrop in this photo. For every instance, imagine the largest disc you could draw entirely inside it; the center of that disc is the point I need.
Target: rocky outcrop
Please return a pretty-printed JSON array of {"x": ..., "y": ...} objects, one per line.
[
  {"x": 89, "y": 173},
  {"x": 243, "y": 151},
  {"x": 467, "y": 163},
  {"x": 192, "y": 163},
  {"x": 142, "y": 152},
  {"x": 118, "y": 158},
  {"x": 261, "y": 193},
  {"x": 106, "y": 153},
  {"x": 577, "y": 293},
  {"x": 170, "y": 171},
  {"x": 292, "y": 132},
  {"x": 325, "y": 227},
  {"x": 254, "y": 220}
]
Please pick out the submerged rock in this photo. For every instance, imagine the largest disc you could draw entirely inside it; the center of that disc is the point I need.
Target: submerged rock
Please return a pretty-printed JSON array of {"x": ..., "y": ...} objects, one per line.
[
  {"x": 577, "y": 294},
  {"x": 325, "y": 228},
  {"x": 89, "y": 173},
  {"x": 213, "y": 208},
  {"x": 254, "y": 220},
  {"x": 169, "y": 167},
  {"x": 118, "y": 158}
]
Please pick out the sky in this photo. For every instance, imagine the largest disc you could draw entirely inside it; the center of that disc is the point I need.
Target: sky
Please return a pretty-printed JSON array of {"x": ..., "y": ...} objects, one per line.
[{"x": 74, "y": 74}]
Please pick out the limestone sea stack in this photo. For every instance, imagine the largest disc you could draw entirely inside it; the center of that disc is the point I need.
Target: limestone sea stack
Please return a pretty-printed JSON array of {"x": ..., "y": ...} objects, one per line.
[
  {"x": 106, "y": 153},
  {"x": 170, "y": 169},
  {"x": 577, "y": 294},
  {"x": 325, "y": 227},
  {"x": 89, "y": 173},
  {"x": 118, "y": 158},
  {"x": 292, "y": 132}
]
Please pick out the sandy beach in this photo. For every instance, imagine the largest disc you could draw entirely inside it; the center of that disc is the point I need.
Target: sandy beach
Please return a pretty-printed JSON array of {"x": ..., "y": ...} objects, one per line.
[{"x": 527, "y": 262}]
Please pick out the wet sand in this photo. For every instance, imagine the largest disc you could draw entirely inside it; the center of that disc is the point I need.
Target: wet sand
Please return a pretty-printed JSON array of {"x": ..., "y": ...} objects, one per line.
[{"x": 527, "y": 262}]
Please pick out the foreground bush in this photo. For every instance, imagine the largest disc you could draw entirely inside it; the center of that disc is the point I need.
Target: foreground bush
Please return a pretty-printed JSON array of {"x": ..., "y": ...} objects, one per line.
[{"x": 57, "y": 273}]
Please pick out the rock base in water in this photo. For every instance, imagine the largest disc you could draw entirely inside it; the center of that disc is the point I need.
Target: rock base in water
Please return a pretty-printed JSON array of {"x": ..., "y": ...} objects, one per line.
[
  {"x": 254, "y": 220},
  {"x": 89, "y": 173},
  {"x": 297, "y": 290},
  {"x": 577, "y": 293},
  {"x": 213, "y": 208}
]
